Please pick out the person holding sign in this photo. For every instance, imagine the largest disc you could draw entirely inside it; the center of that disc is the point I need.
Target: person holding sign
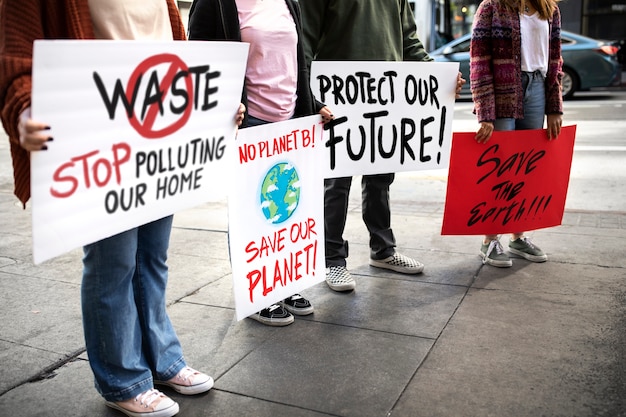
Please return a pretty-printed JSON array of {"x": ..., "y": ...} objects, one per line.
[
  {"x": 277, "y": 81},
  {"x": 361, "y": 30},
  {"x": 515, "y": 78},
  {"x": 130, "y": 341}
]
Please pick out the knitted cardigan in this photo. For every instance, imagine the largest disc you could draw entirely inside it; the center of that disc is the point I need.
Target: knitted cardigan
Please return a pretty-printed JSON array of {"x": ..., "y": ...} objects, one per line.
[
  {"x": 495, "y": 63},
  {"x": 21, "y": 22}
]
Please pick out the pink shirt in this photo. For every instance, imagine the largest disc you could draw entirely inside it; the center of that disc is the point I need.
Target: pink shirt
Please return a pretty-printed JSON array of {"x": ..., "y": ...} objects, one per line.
[{"x": 272, "y": 71}]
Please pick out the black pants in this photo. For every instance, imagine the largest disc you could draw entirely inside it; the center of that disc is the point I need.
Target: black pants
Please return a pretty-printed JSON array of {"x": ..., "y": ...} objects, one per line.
[{"x": 376, "y": 215}]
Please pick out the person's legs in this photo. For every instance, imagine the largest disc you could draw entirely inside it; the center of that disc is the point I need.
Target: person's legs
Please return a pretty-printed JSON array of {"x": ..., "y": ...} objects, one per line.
[
  {"x": 491, "y": 249},
  {"x": 377, "y": 218},
  {"x": 534, "y": 116},
  {"x": 111, "y": 323},
  {"x": 377, "y": 214},
  {"x": 336, "y": 195},
  {"x": 128, "y": 334},
  {"x": 160, "y": 343},
  {"x": 534, "y": 102}
]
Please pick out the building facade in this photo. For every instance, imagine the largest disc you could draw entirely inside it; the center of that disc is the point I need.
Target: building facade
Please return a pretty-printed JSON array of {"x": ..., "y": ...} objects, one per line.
[{"x": 441, "y": 20}]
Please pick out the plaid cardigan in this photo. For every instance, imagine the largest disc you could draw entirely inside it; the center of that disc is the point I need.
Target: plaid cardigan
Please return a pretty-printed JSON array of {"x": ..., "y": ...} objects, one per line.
[
  {"x": 495, "y": 63},
  {"x": 21, "y": 22}
]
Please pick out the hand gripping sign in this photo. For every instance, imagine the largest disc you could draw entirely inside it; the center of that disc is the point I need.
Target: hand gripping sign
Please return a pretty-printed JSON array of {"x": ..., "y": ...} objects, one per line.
[
  {"x": 390, "y": 116},
  {"x": 140, "y": 132},
  {"x": 276, "y": 212}
]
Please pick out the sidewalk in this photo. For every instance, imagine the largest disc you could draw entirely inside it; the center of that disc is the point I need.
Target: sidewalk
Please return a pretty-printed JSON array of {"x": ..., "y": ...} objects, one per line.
[{"x": 461, "y": 339}]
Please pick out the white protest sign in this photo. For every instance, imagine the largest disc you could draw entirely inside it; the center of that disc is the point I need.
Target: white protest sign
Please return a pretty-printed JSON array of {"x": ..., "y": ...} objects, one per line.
[
  {"x": 389, "y": 116},
  {"x": 140, "y": 131},
  {"x": 276, "y": 212}
]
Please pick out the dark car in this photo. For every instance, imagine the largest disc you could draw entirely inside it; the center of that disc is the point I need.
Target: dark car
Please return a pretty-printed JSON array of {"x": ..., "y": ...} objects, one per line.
[{"x": 587, "y": 63}]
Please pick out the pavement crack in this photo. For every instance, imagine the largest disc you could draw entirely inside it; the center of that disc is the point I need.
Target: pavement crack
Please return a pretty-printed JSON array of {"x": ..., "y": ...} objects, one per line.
[{"x": 49, "y": 371}]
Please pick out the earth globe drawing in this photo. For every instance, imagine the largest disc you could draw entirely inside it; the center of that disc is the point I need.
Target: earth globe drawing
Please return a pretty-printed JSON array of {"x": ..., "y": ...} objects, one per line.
[{"x": 280, "y": 192}]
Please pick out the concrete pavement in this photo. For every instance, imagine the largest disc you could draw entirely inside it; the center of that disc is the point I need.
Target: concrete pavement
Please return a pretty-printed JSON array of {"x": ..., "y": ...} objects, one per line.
[{"x": 461, "y": 339}]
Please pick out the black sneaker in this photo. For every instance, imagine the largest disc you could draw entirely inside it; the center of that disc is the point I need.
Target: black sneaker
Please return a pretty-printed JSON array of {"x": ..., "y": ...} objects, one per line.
[
  {"x": 274, "y": 315},
  {"x": 298, "y": 305}
]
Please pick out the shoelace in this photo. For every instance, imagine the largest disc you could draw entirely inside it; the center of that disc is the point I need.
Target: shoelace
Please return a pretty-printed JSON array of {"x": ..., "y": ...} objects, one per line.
[
  {"x": 148, "y": 397},
  {"x": 296, "y": 297},
  {"x": 527, "y": 241},
  {"x": 185, "y": 374},
  {"x": 494, "y": 244},
  {"x": 273, "y": 307}
]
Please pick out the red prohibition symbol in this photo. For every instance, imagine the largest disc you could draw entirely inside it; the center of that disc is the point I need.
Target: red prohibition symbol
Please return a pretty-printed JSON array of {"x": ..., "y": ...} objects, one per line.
[{"x": 176, "y": 65}]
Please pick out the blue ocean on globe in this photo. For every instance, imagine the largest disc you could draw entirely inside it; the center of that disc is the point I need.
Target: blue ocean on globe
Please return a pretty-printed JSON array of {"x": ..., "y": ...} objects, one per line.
[{"x": 280, "y": 192}]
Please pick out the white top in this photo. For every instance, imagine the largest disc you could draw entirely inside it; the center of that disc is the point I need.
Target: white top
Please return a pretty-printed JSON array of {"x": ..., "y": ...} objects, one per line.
[
  {"x": 272, "y": 70},
  {"x": 535, "y": 34},
  {"x": 131, "y": 19}
]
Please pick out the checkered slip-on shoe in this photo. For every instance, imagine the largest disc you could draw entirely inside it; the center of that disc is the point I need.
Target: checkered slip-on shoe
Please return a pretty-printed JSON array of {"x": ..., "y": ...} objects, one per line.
[
  {"x": 339, "y": 279},
  {"x": 399, "y": 263}
]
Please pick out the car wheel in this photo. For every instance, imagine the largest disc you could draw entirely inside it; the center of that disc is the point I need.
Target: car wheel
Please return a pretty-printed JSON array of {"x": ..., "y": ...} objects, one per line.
[{"x": 569, "y": 83}]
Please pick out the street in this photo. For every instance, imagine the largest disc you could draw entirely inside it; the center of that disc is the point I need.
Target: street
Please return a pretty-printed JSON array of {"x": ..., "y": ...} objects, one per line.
[
  {"x": 598, "y": 169},
  {"x": 459, "y": 339}
]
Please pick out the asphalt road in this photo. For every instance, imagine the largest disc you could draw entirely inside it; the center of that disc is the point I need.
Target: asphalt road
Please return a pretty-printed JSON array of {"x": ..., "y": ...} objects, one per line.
[{"x": 598, "y": 169}]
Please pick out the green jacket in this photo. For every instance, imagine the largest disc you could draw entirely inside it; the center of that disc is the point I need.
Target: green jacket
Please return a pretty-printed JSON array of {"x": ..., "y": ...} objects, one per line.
[{"x": 360, "y": 30}]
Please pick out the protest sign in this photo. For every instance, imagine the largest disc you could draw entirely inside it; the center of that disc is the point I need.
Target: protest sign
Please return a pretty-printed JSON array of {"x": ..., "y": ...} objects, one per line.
[
  {"x": 276, "y": 212},
  {"x": 389, "y": 116},
  {"x": 140, "y": 130},
  {"x": 515, "y": 182}
]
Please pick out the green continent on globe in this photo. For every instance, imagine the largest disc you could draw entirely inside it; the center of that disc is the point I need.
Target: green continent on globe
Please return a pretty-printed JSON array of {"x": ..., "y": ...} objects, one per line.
[{"x": 280, "y": 192}]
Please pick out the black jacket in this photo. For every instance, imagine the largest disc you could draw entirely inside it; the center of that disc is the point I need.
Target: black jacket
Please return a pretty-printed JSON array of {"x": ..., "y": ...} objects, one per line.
[{"x": 217, "y": 20}]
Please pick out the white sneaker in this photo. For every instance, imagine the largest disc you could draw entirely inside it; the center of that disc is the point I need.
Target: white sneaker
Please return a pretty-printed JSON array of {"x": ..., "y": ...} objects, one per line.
[
  {"x": 189, "y": 382},
  {"x": 339, "y": 279},
  {"x": 151, "y": 403}
]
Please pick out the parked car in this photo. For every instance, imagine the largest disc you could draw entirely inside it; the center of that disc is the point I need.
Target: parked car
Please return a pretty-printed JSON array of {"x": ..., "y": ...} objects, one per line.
[{"x": 587, "y": 63}]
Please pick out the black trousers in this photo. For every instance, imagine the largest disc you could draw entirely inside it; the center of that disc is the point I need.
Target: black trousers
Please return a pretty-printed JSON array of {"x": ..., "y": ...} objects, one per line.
[{"x": 376, "y": 215}]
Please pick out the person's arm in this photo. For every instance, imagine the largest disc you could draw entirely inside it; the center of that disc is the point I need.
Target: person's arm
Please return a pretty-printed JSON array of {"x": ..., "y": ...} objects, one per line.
[
  {"x": 313, "y": 14},
  {"x": 210, "y": 20},
  {"x": 16, "y": 46},
  {"x": 178, "y": 28},
  {"x": 413, "y": 49},
  {"x": 554, "y": 97},
  {"x": 481, "y": 75}
]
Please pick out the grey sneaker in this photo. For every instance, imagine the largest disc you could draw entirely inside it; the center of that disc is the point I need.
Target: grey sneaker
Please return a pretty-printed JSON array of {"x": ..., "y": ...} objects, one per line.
[
  {"x": 275, "y": 315},
  {"x": 493, "y": 254},
  {"x": 399, "y": 263},
  {"x": 298, "y": 305},
  {"x": 523, "y": 247},
  {"x": 339, "y": 279}
]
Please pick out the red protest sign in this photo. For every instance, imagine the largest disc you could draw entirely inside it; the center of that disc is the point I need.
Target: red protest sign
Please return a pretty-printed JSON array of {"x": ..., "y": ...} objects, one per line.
[{"x": 515, "y": 182}]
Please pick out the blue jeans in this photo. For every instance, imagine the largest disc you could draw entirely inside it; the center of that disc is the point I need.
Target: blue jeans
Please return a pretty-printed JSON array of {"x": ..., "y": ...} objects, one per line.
[
  {"x": 533, "y": 85},
  {"x": 128, "y": 334}
]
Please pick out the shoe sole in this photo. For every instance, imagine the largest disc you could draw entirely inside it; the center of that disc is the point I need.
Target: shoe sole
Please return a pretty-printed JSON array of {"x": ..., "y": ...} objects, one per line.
[
  {"x": 272, "y": 322},
  {"x": 350, "y": 286},
  {"x": 168, "y": 412},
  {"x": 497, "y": 264},
  {"x": 297, "y": 311},
  {"x": 528, "y": 256},
  {"x": 188, "y": 390},
  {"x": 401, "y": 269}
]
